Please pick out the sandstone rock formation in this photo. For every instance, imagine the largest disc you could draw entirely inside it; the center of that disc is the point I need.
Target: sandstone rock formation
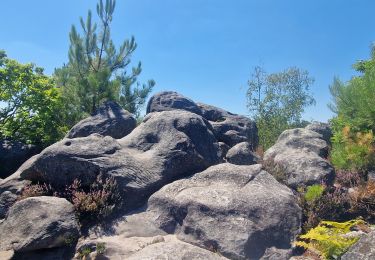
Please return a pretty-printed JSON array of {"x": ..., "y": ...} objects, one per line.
[
  {"x": 241, "y": 154},
  {"x": 109, "y": 120},
  {"x": 227, "y": 127},
  {"x": 300, "y": 156},
  {"x": 167, "y": 146},
  {"x": 364, "y": 249},
  {"x": 38, "y": 223},
  {"x": 238, "y": 211}
]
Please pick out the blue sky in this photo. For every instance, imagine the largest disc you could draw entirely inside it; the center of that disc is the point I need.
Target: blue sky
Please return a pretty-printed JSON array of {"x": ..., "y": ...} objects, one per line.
[{"x": 206, "y": 49}]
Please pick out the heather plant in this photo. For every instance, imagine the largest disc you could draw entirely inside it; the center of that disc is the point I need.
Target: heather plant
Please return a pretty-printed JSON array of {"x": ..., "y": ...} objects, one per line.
[
  {"x": 363, "y": 201},
  {"x": 349, "y": 178},
  {"x": 96, "y": 201},
  {"x": 35, "y": 190}
]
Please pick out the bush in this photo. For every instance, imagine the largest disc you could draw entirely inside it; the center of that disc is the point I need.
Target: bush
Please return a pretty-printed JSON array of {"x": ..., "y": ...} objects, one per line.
[
  {"x": 349, "y": 178},
  {"x": 328, "y": 238},
  {"x": 95, "y": 202},
  {"x": 332, "y": 204},
  {"x": 363, "y": 201},
  {"x": 353, "y": 150},
  {"x": 98, "y": 201},
  {"x": 35, "y": 190},
  {"x": 314, "y": 192}
]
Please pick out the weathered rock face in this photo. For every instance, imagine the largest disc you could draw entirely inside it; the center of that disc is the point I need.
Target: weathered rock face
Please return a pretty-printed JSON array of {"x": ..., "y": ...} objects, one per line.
[
  {"x": 364, "y": 249},
  {"x": 110, "y": 120},
  {"x": 167, "y": 146},
  {"x": 238, "y": 211},
  {"x": 300, "y": 155},
  {"x": 230, "y": 128},
  {"x": 38, "y": 223},
  {"x": 241, "y": 154},
  {"x": 13, "y": 155},
  {"x": 170, "y": 100},
  {"x": 321, "y": 128},
  {"x": 174, "y": 250},
  {"x": 227, "y": 127}
]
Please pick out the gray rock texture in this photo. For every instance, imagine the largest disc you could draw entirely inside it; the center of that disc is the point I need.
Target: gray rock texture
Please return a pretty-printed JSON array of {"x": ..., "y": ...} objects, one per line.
[
  {"x": 238, "y": 211},
  {"x": 300, "y": 156},
  {"x": 230, "y": 128},
  {"x": 364, "y": 249},
  {"x": 227, "y": 127},
  {"x": 322, "y": 128},
  {"x": 241, "y": 154},
  {"x": 13, "y": 155},
  {"x": 170, "y": 100},
  {"x": 110, "y": 119},
  {"x": 38, "y": 223},
  {"x": 167, "y": 146}
]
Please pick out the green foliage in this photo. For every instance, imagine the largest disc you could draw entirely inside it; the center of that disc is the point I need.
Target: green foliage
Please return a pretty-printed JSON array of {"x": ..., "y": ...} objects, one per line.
[
  {"x": 33, "y": 105},
  {"x": 277, "y": 101},
  {"x": 100, "y": 248},
  {"x": 314, "y": 192},
  {"x": 97, "y": 70},
  {"x": 352, "y": 150},
  {"x": 328, "y": 238},
  {"x": 354, "y": 103}
]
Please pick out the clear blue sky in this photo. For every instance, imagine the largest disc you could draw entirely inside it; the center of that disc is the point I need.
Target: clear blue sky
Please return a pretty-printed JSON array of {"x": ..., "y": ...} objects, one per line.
[{"x": 206, "y": 49}]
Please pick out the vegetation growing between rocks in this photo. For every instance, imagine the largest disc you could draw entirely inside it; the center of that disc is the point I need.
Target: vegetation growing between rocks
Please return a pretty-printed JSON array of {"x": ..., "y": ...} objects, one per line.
[
  {"x": 92, "y": 203},
  {"x": 330, "y": 239}
]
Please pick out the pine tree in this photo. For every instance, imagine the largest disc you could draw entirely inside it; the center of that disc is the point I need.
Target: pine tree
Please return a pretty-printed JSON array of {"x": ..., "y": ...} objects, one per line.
[{"x": 97, "y": 70}]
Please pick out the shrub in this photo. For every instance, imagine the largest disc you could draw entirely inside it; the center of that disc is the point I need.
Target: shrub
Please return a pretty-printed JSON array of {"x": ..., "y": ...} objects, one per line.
[
  {"x": 35, "y": 190},
  {"x": 328, "y": 238},
  {"x": 97, "y": 201},
  {"x": 353, "y": 150},
  {"x": 363, "y": 201},
  {"x": 333, "y": 204},
  {"x": 349, "y": 178},
  {"x": 94, "y": 202},
  {"x": 314, "y": 192}
]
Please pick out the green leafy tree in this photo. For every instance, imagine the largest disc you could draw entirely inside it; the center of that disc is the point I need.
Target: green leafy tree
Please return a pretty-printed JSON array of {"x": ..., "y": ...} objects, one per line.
[
  {"x": 277, "y": 101},
  {"x": 97, "y": 70},
  {"x": 354, "y": 125},
  {"x": 31, "y": 104}
]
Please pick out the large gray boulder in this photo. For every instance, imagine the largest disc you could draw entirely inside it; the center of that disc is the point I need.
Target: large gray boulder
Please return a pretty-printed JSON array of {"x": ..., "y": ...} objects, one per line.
[
  {"x": 241, "y": 154},
  {"x": 228, "y": 128},
  {"x": 364, "y": 249},
  {"x": 110, "y": 119},
  {"x": 38, "y": 223},
  {"x": 321, "y": 128},
  {"x": 299, "y": 158},
  {"x": 166, "y": 146},
  {"x": 13, "y": 154},
  {"x": 239, "y": 211},
  {"x": 170, "y": 100}
]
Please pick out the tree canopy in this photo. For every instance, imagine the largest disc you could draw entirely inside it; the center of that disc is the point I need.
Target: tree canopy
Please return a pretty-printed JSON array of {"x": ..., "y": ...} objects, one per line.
[
  {"x": 32, "y": 104},
  {"x": 98, "y": 71},
  {"x": 277, "y": 101}
]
